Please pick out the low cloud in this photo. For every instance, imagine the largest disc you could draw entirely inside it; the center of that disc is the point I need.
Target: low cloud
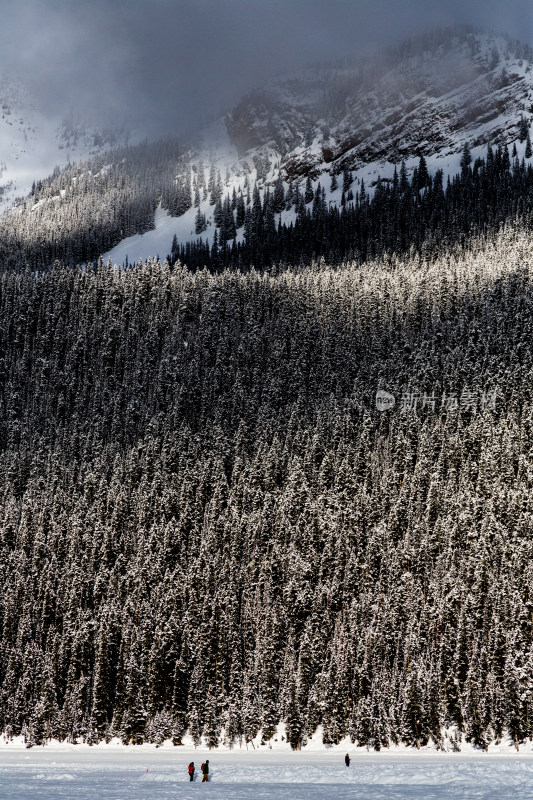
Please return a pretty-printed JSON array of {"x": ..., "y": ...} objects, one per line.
[{"x": 165, "y": 65}]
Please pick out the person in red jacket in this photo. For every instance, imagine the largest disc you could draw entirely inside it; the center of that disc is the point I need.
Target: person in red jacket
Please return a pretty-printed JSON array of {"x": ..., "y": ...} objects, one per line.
[{"x": 191, "y": 770}]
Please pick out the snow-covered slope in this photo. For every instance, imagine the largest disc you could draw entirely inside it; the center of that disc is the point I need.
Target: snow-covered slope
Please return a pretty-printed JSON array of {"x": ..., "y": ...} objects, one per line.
[
  {"x": 33, "y": 142},
  {"x": 428, "y": 97}
]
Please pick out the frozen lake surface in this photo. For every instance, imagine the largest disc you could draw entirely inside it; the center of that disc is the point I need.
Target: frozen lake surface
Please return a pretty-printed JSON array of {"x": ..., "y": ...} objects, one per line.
[{"x": 84, "y": 773}]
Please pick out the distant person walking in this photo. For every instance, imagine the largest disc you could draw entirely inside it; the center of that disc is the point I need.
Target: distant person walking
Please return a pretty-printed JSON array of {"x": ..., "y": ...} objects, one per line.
[
  {"x": 347, "y": 760},
  {"x": 205, "y": 770},
  {"x": 191, "y": 770}
]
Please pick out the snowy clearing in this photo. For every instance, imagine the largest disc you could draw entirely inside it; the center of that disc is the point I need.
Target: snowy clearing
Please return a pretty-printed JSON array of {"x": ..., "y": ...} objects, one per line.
[{"x": 116, "y": 773}]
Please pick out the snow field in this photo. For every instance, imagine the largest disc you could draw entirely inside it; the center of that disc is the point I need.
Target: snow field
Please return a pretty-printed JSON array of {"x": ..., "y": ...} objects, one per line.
[{"x": 115, "y": 772}]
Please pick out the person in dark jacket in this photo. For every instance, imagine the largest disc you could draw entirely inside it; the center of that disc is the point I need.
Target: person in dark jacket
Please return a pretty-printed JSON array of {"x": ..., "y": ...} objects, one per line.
[
  {"x": 347, "y": 760},
  {"x": 191, "y": 770},
  {"x": 205, "y": 770}
]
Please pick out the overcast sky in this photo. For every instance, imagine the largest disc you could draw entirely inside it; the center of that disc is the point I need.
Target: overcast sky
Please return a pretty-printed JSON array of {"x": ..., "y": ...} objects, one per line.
[{"x": 162, "y": 64}]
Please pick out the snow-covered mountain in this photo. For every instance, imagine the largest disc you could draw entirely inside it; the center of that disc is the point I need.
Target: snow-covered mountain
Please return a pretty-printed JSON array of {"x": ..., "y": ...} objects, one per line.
[
  {"x": 33, "y": 142},
  {"x": 427, "y": 97},
  {"x": 334, "y": 126}
]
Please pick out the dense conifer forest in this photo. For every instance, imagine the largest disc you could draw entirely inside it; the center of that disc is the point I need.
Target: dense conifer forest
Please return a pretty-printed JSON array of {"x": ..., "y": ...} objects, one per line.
[{"x": 207, "y": 525}]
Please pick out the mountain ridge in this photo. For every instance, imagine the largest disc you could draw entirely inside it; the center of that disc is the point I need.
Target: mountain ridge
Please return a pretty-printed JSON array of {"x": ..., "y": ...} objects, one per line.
[
  {"x": 309, "y": 124},
  {"x": 211, "y": 522},
  {"x": 441, "y": 81},
  {"x": 337, "y": 126}
]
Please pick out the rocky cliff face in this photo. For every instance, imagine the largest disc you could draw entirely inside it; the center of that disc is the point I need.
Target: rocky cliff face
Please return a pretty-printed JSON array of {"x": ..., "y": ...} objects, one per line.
[{"x": 428, "y": 97}]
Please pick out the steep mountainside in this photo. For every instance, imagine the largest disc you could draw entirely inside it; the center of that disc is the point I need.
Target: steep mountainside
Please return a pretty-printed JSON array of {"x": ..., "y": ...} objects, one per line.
[
  {"x": 323, "y": 138},
  {"x": 428, "y": 97},
  {"x": 209, "y": 522},
  {"x": 207, "y": 525}
]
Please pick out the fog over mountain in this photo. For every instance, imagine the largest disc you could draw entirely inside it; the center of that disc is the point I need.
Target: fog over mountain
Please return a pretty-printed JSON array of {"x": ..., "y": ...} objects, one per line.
[{"x": 162, "y": 66}]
